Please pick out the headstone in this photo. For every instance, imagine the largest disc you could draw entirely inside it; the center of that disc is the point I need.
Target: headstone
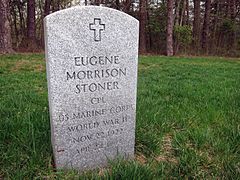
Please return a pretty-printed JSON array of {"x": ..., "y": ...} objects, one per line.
[{"x": 92, "y": 57}]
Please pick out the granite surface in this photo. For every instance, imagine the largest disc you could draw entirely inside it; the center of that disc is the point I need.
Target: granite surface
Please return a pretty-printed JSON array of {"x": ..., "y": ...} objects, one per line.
[{"x": 91, "y": 57}]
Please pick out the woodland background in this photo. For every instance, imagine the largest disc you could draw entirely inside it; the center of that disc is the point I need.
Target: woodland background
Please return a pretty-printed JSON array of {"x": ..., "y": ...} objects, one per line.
[{"x": 169, "y": 27}]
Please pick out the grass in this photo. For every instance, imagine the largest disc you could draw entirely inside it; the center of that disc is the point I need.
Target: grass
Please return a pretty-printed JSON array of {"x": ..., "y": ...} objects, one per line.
[{"x": 188, "y": 121}]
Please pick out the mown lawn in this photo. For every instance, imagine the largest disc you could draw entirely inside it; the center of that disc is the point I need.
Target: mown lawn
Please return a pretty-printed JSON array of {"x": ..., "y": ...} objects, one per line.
[{"x": 188, "y": 121}]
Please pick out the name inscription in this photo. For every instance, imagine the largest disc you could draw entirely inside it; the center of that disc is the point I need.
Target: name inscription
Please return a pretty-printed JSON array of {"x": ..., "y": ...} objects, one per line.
[{"x": 108, "y": 69}]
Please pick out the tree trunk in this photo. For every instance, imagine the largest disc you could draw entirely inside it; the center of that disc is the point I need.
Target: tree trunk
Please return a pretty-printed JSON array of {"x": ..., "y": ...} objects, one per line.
[
  {"x": 170, "y": 28},
  {"x": 31, "y": 27},
  {"x": 228, "y": 9},
  {"x": 182, "y": 17},
  {"x": 117, "y": 4},
  {"x": 148, "y": 35},
  {"x": 97, "y": 2},
  {"x": 15, "y": 26},
  {"x": 5, "y": 28},
  {"x": 214, "y": 36},
  {"x": 196, "y": 24},
  {"x": 47, "y": 7},
  {"x": 29, "y": 43},
  {"x": 233, "y": 17},
  {"x": 206, "y": 24},
  {"x": 22, "y": 23},
  {"x": 187, "y": 11},
  {"x": 56, "y": 5},
  {"x": 143, "y": 22},
  {"x": 177, "y": 7},
  {"x": 46, "y": 11},
  {"x": 127, "y": 6}
]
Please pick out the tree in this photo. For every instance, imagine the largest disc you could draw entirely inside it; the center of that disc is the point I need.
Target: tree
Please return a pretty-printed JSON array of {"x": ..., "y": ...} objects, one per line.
[
  {"x": 47, "y": 7},
  {"x": 20, "y": 6},
  {"x": 187, "y": 15},
  {"x": 31, "y": 28},
  {"x": 232, "y": 8},
  {"x": 196, "y": 24},
  {"x": 206, "y": 24},
  {"x": 170, "y": 28},
  {"x": 56, "y": 5},
  {"x": 143, "y": 22},
  {"x": 5, "y": 29},
  {"x": 182, "y": 17},
  {"x": 177, "y": 8},
  {"x": 97, "y": 2},
  {"x": 127, "y": 6},
  {"x": 117, "y": 5},
  {"x": 29, "y": 43},
  {"x": 46, "y": 11}
]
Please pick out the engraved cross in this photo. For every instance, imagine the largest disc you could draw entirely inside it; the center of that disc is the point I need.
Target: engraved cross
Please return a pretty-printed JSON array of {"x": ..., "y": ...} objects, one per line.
[{"x": 97, "y": 27}]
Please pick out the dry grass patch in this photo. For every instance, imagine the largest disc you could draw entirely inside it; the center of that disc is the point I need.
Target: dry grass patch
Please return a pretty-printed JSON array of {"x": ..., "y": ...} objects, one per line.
[
  {"x": 148, "y": 66},
  {"x": 20, "y": 65},
  {"x": 141, "y": 158},
  {"x": 167, "y": 151},
  {"x": 32, "y": 65},
  {"x": 39, "y": 68}
]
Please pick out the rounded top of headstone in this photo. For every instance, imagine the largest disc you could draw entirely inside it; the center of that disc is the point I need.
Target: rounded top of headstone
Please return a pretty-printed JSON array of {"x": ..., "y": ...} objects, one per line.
[{"x": 99, "y": 9}]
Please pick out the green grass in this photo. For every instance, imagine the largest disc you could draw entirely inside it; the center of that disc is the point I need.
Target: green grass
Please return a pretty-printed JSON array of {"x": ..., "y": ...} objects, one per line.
[{"x": 188, "y": 121}]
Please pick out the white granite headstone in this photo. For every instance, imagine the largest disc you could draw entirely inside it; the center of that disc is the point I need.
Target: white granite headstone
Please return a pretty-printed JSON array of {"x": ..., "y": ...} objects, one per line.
[{"x": 92, "y": 57}]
